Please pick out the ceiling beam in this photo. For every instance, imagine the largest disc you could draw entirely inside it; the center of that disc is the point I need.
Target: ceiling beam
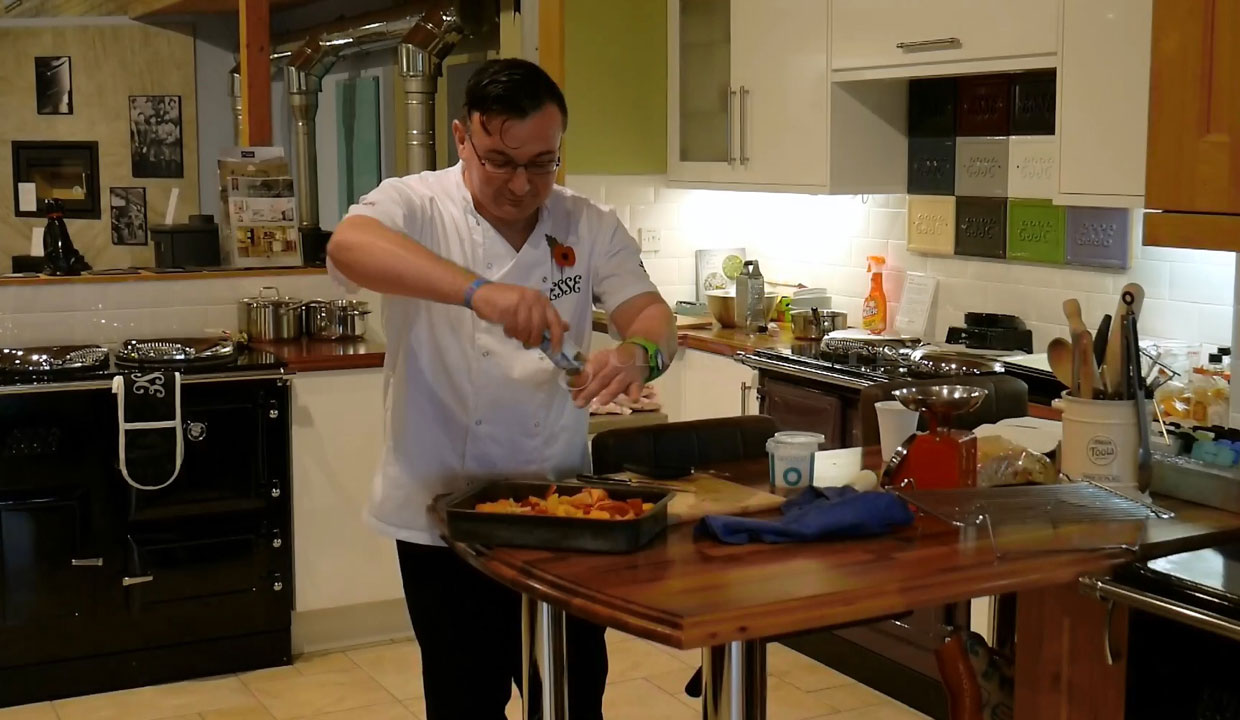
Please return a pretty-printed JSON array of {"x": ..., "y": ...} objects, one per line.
[{"x": 255, "y": 22}]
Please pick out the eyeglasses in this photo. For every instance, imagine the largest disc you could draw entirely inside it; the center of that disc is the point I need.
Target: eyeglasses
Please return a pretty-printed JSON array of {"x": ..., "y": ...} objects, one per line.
[{"x": 506, "y": 166}]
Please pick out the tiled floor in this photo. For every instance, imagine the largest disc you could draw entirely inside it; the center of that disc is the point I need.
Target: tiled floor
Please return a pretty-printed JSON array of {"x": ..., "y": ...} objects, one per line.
[{"x": 384, "y": 682}]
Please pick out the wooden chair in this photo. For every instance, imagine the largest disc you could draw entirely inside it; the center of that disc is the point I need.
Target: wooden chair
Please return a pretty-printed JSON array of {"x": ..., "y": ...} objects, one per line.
[{"x": 679, "y": 444}]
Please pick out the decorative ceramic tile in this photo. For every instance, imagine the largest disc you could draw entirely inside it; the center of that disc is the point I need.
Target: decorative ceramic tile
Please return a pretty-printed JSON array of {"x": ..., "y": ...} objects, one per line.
[
  {"x": 982, "y": 166},
  {"x": 983, "y": 105},
  {"x": 932, "y": 108},
  {"x": 1033, "y": 166},
  {"x": 932, "y": 166},
  {"x": 1033, "y": 103},
  {"x": 1035, "y": 231},
  {"x": 981, "y": 227},
  {"x": 932, "y": 224},
  {"x": 1098, "y": 236}
]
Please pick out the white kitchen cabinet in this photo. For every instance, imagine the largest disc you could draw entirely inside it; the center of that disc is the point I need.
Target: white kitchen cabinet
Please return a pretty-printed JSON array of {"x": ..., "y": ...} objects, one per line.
[
  {"x": 717, "y": 386},
  {"x": 751, "y": 105},
  {"x": 338, "y": 426},
  {"x": 913, "y": 38},
  {"x": 1103, "y": 102}
]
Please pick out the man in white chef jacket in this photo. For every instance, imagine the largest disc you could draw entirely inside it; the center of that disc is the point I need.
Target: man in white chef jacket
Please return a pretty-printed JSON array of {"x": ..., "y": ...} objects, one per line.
[{"x": 475, "y": 263}]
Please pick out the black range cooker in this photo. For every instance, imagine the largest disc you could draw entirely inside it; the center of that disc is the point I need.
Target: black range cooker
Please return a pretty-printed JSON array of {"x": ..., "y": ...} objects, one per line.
[{"x": 105, "y": 586}]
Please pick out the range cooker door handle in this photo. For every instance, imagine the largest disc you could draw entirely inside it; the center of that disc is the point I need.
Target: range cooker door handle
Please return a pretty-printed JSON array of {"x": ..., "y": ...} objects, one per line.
[
  {"x": 1115, "y": 592},
  {"x": 127, "y": 581}
]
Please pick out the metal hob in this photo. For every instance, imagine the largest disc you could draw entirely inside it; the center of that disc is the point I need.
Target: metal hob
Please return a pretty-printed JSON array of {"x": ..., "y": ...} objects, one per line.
[
  {"x": 842, "y": 361},
  {"x": 859, "y": 361},
  {"x": 88, "y": 365}
]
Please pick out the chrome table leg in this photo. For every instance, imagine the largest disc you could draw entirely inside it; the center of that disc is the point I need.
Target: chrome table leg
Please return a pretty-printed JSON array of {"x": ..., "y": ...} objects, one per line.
[
  {"x": 528, "y": 628},
  {"x": 734, "y": 681},
  {"x": 552, "y": 661}
]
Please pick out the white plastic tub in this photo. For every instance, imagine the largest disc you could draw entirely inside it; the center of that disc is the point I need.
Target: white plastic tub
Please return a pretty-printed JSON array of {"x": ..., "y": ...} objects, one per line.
[{"x": 792, "y": 458}]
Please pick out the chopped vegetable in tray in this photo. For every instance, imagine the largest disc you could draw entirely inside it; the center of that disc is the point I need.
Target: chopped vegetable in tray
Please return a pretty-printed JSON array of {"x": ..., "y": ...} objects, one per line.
[{"x": 591, "y": 503}]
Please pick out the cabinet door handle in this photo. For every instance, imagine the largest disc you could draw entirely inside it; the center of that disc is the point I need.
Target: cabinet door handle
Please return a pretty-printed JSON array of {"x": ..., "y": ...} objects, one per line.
[
  {"x": 935, "y": 44},
  {"x": 731, "y": 97},
  {"x": 744, "y": 128},
  {"x": 127, "y": 581},
  {"x": 745, "y": 388},
  {"x": 86, "y": 562}
]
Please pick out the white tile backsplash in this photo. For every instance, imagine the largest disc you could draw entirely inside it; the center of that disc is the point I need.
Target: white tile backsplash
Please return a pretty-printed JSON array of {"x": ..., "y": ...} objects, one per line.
[
  {"x": 113, "y": 311},
  {"x": 1203, "y": 284},
  {"x": 823, "y": 240},
  {"x": 888, "y": 224},
  {"x": 1152, "y": 275}
]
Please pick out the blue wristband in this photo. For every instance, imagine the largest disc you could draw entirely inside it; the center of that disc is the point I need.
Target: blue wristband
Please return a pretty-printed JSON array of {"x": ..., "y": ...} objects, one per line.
[{"x": 473, "y": 288}]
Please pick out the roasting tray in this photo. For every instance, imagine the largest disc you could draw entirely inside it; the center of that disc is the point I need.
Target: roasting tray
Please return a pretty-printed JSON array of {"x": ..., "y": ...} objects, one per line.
[{"x": 466, "y": 525}]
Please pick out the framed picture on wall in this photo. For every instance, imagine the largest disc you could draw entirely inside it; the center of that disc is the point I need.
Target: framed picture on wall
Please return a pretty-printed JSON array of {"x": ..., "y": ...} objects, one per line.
[
  {"x": 128, "y": 215},
  {"x": 53, "y": 85},
  {"x": 155, "y": 136}
]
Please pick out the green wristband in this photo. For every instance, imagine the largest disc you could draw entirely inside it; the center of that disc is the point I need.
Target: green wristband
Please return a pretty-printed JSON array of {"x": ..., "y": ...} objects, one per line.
[{"x": 655, "y": 358}]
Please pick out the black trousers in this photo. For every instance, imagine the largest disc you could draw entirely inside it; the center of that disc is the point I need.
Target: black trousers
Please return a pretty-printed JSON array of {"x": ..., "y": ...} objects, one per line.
[{"x": 469, "y": 629}]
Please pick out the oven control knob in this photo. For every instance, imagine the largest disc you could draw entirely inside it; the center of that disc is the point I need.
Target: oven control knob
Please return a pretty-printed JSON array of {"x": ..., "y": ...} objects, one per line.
[
  {"x": 196, "y": 431},
  {"x": 277, "y": 541},
  {"x": 275, "y": 490},
  {"x": 278, "y": 585},
  {"x": 273, "y": 413}
]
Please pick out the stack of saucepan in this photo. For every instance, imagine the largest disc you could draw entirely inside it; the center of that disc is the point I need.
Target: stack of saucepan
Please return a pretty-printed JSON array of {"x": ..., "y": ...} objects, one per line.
[{"x": 273, "y": 317}]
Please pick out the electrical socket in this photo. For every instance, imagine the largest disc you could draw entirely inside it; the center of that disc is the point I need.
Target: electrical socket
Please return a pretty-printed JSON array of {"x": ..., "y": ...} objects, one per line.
[{"x": 651, "y": 240}]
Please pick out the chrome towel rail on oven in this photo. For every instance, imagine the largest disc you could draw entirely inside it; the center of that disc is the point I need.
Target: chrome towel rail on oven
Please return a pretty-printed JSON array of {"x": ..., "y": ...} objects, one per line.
[
  {"x": 1112, "y": 591},
  {"x": 107, "y": 384},
  {"x": 763, "y": 363}
]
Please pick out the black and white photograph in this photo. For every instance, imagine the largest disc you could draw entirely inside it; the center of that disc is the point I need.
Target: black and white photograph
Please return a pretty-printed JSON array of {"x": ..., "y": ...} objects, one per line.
[
  {"x": 53, "y": 83},
  {"x": 155, "y": 136},
  {"x": 128, "y": 205}
]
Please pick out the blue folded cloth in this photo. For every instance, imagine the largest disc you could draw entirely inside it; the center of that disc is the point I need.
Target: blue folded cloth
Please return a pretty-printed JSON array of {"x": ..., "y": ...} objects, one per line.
[{"x": 815, "y": 514}]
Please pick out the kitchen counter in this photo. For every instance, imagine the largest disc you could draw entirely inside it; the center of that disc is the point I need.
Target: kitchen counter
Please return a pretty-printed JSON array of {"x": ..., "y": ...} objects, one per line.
[
  {"x": 311, "y": 355},
  {"x": 725, "y": 593},
  {"x": 701, "y": 333}
]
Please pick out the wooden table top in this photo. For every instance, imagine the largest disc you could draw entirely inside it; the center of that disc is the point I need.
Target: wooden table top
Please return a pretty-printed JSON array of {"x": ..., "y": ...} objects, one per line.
[{"x": 688, "y": 593}]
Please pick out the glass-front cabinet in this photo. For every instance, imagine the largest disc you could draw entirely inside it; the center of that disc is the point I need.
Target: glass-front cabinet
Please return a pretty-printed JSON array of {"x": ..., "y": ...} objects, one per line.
[
  {"x": 700, "y": 90},
  {"x": 747, "y": 92}
]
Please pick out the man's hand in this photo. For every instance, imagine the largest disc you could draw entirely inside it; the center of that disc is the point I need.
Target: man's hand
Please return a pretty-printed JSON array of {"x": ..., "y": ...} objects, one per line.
[
  {"x": 609, "y": 373},
  {"x": 524, "y": 312}
]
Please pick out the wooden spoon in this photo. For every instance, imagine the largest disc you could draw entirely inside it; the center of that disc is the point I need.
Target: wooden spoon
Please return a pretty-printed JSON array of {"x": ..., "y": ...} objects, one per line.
[
  {"x": 1072, "y": 311},
  {"x": 1059, "y": 356},
  {"x": 1083, "y": 344}
]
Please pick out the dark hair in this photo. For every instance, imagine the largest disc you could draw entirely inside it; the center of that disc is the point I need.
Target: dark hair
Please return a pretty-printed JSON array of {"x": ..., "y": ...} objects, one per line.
[{"x": 511, "y": 88}]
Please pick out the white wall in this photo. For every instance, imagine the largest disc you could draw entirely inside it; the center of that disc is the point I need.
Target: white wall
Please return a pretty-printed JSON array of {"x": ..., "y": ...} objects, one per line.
[{"x": 824, "y": 240}]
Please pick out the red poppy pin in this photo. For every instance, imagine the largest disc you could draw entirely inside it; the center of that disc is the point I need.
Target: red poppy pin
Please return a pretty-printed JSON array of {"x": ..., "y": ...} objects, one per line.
[{"x": 562, "y": 255}]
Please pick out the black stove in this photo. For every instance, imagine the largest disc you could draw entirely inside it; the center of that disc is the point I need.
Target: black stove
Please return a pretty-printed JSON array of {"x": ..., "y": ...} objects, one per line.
[
  {"x": 87, "y": 365},
  {"x": 106, "y": 584},
  {"x": 1176, "y": 666}
]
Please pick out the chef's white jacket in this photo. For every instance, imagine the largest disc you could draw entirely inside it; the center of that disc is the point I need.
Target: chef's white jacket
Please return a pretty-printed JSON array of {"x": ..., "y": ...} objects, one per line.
[{"x": 464, "y": 402}]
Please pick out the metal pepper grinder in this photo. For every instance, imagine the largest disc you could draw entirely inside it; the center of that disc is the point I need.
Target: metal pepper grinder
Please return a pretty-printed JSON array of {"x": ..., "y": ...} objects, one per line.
[{"x": 60, "y": 257}]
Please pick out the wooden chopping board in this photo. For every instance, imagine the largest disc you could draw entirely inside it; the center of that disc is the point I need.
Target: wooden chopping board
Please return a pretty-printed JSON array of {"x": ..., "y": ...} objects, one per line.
[{"x": 715, "y": 497}]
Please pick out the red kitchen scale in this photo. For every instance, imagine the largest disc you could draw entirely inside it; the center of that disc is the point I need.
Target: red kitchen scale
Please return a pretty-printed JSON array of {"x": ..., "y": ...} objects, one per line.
[{"x": 941, "y": 457}]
